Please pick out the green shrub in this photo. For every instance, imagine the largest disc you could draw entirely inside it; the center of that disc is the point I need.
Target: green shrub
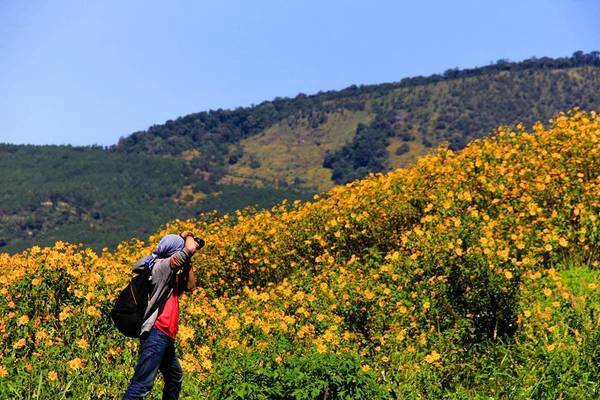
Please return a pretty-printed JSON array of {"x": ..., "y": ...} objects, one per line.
[{"x": 311, "y": 376}]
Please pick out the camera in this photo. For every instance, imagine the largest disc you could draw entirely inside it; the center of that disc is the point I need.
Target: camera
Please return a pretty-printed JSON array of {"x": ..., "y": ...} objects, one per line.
[{"x": 199, "y": 241}]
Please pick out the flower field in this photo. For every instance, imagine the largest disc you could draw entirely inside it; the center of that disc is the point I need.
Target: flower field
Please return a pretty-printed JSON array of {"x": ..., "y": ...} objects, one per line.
[{"x": 470, "y": 275}]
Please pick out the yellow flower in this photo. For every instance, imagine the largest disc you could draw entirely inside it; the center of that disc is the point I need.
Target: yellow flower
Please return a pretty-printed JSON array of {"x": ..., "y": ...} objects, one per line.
[
  {"x": 3, "y": 372},
  {"x": 40, "y": 335},
  {"x": 401, "y": 335},
  {"x": 503, "y": 254},
  {"x": 23, "y": 320},
  {"x": 82, "y": 344},
  {"x": 19, "y": 343},
  {"x": 186, "y": 333},
  {"x": 433, "y": 357},
  {"x": 206, "y": 364},
  {"x": 321, "y": 348},
  {"x": 547, "y": 292},
  {"x": 52, "y": 376},
  {"x": 508, "y": 274},
  {"x": 365, "y": 368},
  {"x": 64, "y": 314},
  {"x": 232, "y": 324},
  {"x": 75, "y": 363},
  {"x": 189, "y": 363},
  {"x": 92, "y": 311},
  {"x": 369, "y": 294}
]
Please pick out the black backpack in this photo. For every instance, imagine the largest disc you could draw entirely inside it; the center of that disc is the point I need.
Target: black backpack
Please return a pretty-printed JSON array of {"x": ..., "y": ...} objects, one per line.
[{"x": 130, "y": 307}]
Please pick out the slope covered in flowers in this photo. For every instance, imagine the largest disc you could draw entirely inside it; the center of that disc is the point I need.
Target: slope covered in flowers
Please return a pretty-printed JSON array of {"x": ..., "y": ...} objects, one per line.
[{"x": 471, "y": 274}]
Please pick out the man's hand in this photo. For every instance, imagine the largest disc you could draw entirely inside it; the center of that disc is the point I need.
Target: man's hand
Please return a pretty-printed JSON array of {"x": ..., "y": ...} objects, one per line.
[
  {"x": 190, "y": 244},
  {"x": 185, "y": 234}
]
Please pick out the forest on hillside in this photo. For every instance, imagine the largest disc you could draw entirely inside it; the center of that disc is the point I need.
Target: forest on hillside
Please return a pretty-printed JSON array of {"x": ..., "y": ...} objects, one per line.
[
  {"x": 285, "y": 148},
  {"x": 88, "y": 195},
  {"x": 453, "y": 107}
]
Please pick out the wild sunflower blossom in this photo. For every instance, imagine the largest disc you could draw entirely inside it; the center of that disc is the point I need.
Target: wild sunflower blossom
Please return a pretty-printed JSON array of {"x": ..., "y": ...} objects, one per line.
[
  {"x": 52, "y": 376},
  {"x": 75, "y": 364}
]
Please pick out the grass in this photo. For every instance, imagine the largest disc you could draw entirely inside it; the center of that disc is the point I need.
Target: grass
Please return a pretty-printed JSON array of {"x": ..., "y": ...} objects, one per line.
[{"x": 297, "y": 152}]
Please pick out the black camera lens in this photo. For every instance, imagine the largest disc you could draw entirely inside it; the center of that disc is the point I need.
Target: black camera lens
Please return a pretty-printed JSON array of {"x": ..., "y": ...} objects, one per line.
[{"x": 200, "y": 242}]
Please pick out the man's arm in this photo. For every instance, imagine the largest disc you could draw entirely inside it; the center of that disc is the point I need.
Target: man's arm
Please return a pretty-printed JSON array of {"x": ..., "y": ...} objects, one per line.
[
  {"x": 182, "y": 259},
  {"x": 190, "y": 281}
]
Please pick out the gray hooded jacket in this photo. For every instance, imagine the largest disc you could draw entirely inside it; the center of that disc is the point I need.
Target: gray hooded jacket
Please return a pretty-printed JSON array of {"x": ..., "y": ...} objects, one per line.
[{"x": 163, "y": 273}]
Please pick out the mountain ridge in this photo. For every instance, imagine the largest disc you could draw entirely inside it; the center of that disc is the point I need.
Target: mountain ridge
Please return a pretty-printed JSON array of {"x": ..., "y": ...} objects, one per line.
[
  {"x": 284, "y": 148},
  {"x": 425, "y": 110}
]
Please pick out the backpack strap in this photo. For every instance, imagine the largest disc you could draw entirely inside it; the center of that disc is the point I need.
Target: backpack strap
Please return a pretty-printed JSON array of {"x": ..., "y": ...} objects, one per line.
[{"x": 160, "y": 303}]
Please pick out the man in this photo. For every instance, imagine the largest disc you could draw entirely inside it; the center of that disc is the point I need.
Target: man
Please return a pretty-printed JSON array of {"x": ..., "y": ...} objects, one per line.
[{"x": 171, "y": 275}]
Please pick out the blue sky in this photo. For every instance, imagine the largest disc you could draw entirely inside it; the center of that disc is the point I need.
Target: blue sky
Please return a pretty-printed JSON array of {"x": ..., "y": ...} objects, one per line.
[{"x": 79, "y": 72}]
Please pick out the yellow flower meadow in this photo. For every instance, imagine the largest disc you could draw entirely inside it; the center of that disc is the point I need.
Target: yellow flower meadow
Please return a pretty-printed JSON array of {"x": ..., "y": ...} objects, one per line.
[{"x": 367, "y": 268}]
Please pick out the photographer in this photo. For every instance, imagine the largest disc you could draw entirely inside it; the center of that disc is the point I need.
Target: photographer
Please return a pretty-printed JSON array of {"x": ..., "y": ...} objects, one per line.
[{"x": 172, "y": 274}]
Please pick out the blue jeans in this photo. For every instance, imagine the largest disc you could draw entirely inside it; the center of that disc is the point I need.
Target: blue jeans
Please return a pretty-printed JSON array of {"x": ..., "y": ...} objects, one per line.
[{"x": 157, "y": 353}]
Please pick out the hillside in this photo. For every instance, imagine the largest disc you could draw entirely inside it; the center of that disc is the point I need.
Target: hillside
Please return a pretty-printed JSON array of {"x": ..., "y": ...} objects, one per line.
[
  {"x": 338, "y": 136},
  {"x": 100, "y": 198},
  {"x": 471, "y": 274},
  {"x": 285, "y": 148}
]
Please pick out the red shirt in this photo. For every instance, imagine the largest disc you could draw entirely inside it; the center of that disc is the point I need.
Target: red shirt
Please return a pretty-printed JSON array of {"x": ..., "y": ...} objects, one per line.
[{"x": 168, "y": 320}]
